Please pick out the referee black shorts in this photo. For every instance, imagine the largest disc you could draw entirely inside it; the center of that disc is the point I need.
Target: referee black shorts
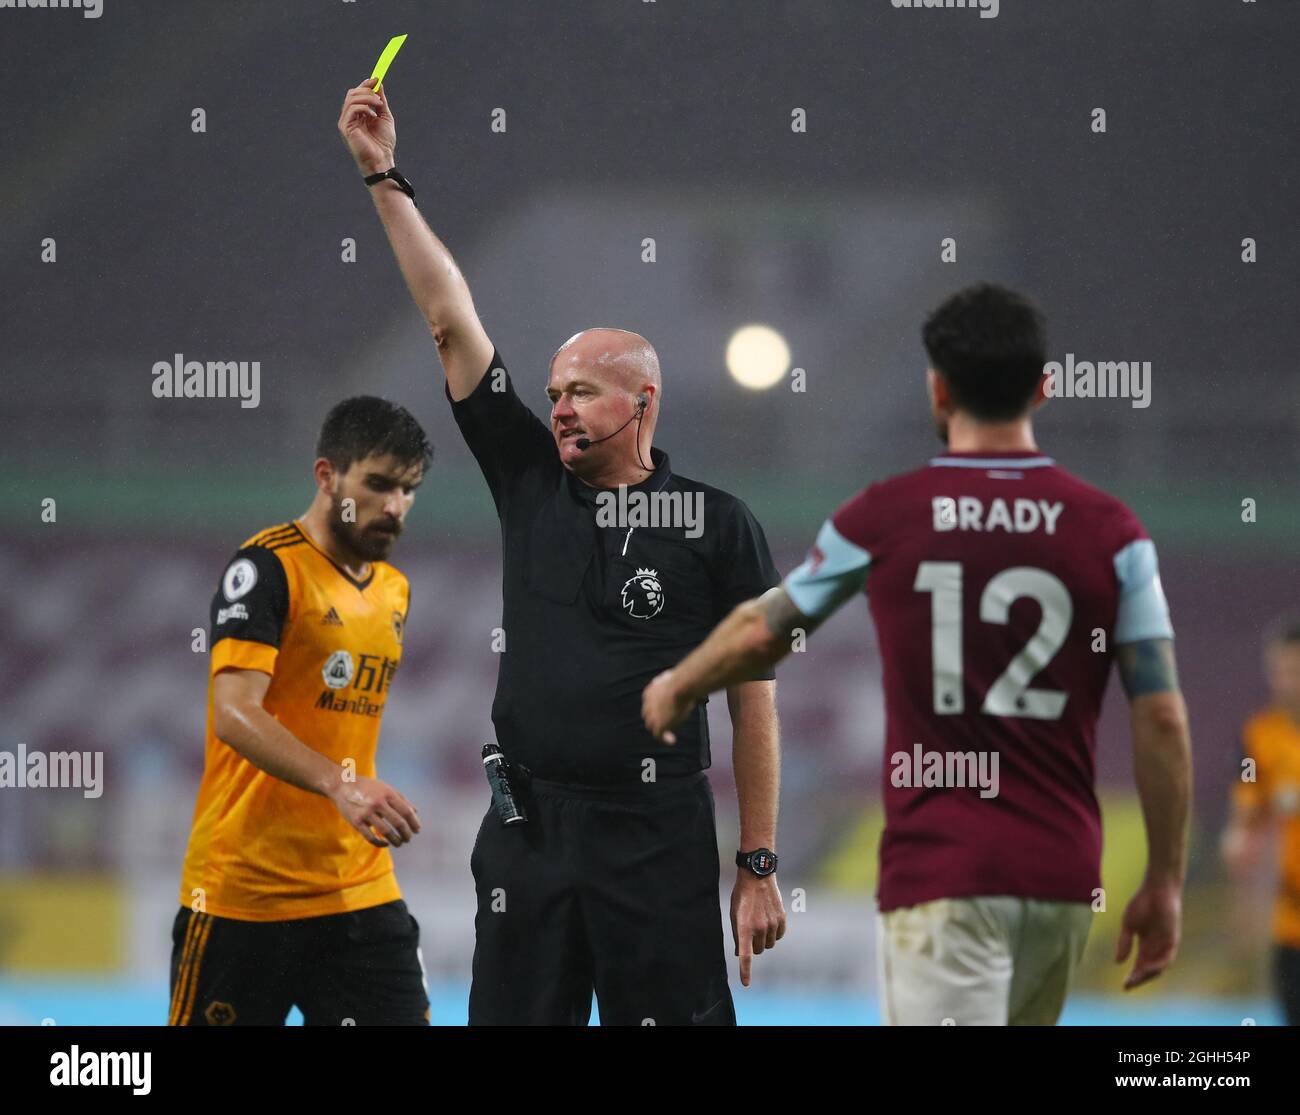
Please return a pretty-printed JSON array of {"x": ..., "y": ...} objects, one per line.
[
  {"x": 361, "y": 968},
  {"x": 607, "y": 889}
]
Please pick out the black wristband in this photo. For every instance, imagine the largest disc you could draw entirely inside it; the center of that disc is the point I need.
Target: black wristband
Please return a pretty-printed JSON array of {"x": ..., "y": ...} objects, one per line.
[{"x": 393, "y": 175}]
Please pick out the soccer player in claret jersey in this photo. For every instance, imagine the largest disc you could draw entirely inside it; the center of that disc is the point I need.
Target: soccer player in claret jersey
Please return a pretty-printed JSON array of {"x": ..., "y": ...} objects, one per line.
[
  {"x": 1001, "y": 588},
  {"x": 288, "y": 895}
]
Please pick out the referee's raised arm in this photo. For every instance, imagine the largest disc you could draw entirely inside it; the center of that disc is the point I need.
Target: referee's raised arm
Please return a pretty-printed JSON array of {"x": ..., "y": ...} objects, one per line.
[{"x": 435, "y": 282}]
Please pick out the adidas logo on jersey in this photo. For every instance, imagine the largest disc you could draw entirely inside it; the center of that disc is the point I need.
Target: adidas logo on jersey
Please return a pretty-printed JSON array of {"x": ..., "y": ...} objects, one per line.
[{"x": 331, "y": 619}]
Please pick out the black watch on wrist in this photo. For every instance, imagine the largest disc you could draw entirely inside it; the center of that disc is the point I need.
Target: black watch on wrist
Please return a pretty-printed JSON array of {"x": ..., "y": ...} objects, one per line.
[
  {"x": 761, "y": 861},
  {"x": 394, "y": 175}
]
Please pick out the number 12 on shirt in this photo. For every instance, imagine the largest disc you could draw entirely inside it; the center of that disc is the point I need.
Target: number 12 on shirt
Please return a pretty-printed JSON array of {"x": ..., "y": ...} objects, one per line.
[{"x": 1010, "y": 695}]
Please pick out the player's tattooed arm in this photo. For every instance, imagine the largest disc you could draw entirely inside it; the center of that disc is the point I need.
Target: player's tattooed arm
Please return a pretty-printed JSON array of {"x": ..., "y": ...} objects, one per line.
[
  {"x": 760, "y": 632},
  {"x": 784, "y": 620},
  {"x": 754, "y": 637},
  {"x": 1147, "y": 666}
]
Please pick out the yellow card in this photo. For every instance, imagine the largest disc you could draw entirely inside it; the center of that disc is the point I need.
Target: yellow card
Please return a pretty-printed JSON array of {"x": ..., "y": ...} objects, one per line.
[{"x": 386, "y": 59}]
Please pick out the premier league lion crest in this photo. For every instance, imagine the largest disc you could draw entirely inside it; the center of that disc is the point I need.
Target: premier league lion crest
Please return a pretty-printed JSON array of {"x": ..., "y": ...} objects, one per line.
[{"x": 643, "y": 595}]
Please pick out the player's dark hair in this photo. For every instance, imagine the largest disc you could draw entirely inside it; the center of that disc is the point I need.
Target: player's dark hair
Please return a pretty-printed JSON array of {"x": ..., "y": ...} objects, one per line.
[
  {"x": 990, "y": 346},
  {"x": 1284, "y": 631},
  {"x": 364, "y": 425}
]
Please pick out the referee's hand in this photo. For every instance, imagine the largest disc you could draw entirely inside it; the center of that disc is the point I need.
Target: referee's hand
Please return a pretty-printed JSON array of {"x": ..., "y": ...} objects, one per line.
[
  {"x": 757, "y": 917},
  {"x": 377, "y": 811},
  {"x": 368, "y": 128}
]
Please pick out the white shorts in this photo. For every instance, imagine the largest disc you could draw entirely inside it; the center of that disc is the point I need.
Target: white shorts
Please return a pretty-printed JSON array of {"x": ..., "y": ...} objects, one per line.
[{"x": 979, "y": 961}]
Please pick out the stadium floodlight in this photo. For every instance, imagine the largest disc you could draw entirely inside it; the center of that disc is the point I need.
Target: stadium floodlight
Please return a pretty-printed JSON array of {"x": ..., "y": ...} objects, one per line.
[{"x": 757, "y": 357}]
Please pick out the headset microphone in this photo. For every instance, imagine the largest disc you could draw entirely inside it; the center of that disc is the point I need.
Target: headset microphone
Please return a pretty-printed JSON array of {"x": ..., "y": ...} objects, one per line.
[{"x": 587, "y": 443}]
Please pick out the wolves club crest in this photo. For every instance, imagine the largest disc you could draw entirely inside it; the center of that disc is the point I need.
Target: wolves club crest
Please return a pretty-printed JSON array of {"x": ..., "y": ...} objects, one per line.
[
  {"x": 338, "y": 670},
  {"x": 643, "y": 595}
]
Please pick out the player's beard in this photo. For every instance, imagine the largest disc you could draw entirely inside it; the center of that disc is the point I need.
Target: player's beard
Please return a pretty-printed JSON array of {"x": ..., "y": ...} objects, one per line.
[
  {"x": 367, "y": 543},
  {"x": 941, "y": 429}
]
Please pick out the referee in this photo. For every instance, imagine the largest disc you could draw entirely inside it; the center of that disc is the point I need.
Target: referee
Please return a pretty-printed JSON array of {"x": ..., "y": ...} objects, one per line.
[{"x": 611, "y": 884}]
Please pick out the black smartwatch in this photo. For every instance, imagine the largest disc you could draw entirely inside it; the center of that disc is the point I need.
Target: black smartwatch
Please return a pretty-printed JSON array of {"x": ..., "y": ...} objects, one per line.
[
  {"x": 394, "y": 175},
  {"x": 761, "y": 861}
]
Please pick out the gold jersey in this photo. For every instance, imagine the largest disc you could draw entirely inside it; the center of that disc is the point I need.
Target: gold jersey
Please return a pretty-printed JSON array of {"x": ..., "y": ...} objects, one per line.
[
  {"x": 261, "y": 849},
  {"x": 1272, "y": 739}
]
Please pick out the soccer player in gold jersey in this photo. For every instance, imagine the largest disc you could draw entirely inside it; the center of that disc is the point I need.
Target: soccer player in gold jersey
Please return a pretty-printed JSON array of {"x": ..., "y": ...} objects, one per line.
[
  {"x": 1266, "y": 802},
  {"x": 288, "y": 894}
]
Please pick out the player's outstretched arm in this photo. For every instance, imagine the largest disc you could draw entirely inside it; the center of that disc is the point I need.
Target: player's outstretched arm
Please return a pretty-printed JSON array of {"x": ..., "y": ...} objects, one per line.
[
  {"x": 760, "y": 632},
  {"x": 435, "y": 282},
  {"x": 1162, "y": 763},
  {"x": 753, "y": 638},
  {"x": 241, "y": 722}
]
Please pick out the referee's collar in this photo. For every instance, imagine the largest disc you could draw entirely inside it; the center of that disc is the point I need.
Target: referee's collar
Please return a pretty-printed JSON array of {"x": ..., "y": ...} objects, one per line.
[
  {"x": 655, "y": 482},
  {"x": 564, "y": 542}
]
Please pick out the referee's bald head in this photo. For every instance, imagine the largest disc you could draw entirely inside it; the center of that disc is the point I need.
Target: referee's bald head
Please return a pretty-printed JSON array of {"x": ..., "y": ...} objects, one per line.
[{"x": 617, "y": 356}]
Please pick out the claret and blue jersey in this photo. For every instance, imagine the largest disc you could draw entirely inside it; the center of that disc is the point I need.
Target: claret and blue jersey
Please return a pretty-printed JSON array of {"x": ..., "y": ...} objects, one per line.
[{"x": 1000, "y": 586}]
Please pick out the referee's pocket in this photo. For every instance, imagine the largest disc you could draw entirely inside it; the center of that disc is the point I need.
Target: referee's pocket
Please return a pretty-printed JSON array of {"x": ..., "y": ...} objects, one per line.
[{"x": 654, "y": 593}]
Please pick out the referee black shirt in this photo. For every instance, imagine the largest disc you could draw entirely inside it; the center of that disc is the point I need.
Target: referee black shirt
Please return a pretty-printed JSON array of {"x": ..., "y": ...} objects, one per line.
[{"x": 592, "y": 613}]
